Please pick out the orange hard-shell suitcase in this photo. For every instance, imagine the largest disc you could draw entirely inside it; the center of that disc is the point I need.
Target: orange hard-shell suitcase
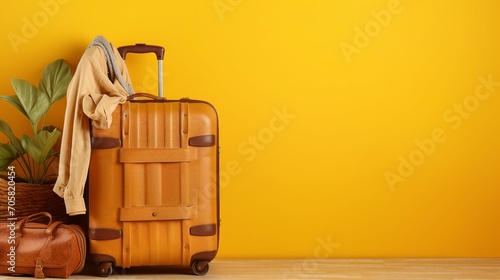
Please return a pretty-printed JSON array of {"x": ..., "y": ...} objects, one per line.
[{"x": 154, "y": 184}]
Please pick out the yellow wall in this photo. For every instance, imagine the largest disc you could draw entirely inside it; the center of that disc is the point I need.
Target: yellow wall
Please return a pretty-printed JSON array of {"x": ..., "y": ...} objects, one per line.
[{"x": 348, "y": 128}]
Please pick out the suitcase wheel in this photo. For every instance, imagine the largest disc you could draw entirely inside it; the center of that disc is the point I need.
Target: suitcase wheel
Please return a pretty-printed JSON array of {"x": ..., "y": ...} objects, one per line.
[
  {"x": 105, "y": 269},
  {"x": 200, "y": 267}
]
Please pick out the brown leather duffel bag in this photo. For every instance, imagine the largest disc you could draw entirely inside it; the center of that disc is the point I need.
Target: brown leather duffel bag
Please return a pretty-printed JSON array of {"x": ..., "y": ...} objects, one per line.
[{"x": 50, "y": 249}]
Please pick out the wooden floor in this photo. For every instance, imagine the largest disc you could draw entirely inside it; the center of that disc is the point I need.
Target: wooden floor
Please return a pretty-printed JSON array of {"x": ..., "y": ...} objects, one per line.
[{"x": 400, "y": 269}]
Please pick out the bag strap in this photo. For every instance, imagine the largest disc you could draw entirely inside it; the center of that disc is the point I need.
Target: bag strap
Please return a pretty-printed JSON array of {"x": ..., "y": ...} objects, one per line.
[
  {"x": 46, "y": 250},
  {"x": 39, "y": 268}
]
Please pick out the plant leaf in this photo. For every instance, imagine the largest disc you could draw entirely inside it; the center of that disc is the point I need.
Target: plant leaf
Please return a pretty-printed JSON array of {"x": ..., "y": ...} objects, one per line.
[
  {"x": 14, "y": 101},
  {"x": 15, "y": 142},
  {"x": 40, "y": 147},
  {"x": 35, "y": 103},
  {"x": 8, "y": 154},
  {"x": 25, "y": 141},
  {"x": 55, "y": 80}
]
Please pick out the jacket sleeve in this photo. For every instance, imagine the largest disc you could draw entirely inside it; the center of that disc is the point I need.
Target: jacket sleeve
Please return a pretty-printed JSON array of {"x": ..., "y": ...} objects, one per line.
[{"x": 90, "y": 82}]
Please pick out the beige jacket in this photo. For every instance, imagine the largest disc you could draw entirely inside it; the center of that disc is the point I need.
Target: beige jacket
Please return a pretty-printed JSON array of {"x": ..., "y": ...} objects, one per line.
[{"x": 91, "y": 95}]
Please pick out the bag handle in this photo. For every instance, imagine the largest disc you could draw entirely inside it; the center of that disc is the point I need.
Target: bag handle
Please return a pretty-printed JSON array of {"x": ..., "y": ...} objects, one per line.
[
  {"x": 30, "y": 218},
  {"x": 50, "y": 229},
  {"x": 34, "y": 217},
  {"x": 146, "y": 95}
]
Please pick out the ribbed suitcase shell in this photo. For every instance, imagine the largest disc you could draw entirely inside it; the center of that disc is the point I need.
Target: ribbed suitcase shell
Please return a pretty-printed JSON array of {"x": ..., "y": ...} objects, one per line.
[{"x": 153, "y": 186}]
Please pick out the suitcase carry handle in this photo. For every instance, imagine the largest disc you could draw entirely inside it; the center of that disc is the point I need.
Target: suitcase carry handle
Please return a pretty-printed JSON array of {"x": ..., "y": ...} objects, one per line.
[
  {"x": 143, "y": 48},
  {"x": 147, "y": 95}
]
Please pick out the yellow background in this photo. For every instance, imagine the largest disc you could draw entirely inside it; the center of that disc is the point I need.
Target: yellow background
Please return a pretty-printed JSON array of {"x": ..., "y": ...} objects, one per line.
[{"x": 318, "y": 101}]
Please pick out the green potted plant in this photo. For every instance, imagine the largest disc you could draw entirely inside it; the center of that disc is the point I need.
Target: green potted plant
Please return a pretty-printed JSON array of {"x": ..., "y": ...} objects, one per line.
[{"x": 25, "y": 161}]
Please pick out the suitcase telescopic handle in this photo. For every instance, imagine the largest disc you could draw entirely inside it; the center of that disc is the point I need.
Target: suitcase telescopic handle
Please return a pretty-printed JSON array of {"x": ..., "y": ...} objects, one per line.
[{"x": 143, "y": 48}]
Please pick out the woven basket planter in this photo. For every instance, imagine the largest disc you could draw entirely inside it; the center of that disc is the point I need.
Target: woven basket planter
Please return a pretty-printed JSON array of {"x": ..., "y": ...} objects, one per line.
[{"x": 30, "y": 199}]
